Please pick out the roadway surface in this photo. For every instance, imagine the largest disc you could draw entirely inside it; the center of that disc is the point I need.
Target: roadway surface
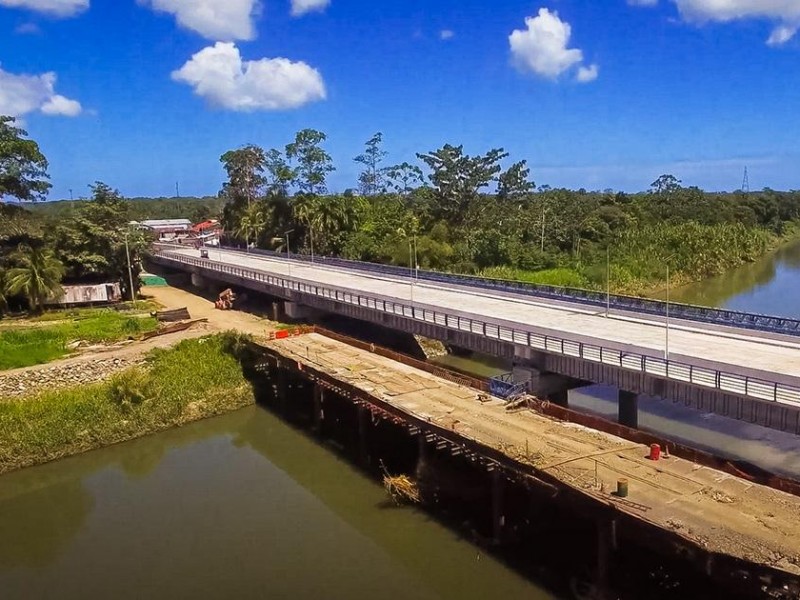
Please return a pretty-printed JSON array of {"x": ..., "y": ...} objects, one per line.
[{"x": 739, "y": 351}]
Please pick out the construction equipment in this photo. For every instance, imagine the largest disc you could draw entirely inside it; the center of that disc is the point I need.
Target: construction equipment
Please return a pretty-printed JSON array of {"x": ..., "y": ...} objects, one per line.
[{"x": 225, "y": 300}]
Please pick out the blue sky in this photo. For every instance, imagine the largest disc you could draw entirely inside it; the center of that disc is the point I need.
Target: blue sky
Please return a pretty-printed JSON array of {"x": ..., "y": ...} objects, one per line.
[{"x": 596, "y": 94}]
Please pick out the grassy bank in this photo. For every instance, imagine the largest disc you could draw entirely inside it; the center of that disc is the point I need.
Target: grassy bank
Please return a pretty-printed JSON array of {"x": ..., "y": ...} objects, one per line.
[
  {"x": 196, "y": 379},
  {"x": 22, "y": 346}
]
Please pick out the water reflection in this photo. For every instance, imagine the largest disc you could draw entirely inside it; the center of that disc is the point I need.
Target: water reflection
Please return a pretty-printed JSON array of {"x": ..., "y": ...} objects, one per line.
[
  {"x": 37, "y": 526},
  {"x": 240, "y": 506},
  {"x": 765, "y": 286}
]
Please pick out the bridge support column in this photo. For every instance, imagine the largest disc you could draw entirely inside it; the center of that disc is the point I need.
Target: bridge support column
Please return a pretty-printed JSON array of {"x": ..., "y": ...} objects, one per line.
[
  {"x": 628, "y": 409},
  {"x": 198, "y": 281},
  {"x": 498, "y": 518},
  {"x": 363, "y": 427},
  {"x": 319, "y": 415}
]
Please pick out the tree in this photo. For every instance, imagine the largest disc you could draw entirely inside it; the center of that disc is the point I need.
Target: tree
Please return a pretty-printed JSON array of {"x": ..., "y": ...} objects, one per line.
[
  {"x": 371, "y": 180},
  {"x": 254, "y": 222},
  {"x": 314, "y": 163},
  {"x": 92, "y": 242},
  {"x": 280, "y": 175},
  {"x": 665, "y": 185},
  {"x": 37, "y": 277},
  {"x": 403, "y": 178},
  {"x": 514, "y": 183},
  {"x": 458, "y": 177},
  {"x": 245, "y": 168},
  {"x": 23, "y": 168}
]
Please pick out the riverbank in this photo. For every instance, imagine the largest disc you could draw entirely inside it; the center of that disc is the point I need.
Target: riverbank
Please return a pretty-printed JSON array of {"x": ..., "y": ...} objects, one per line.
[
  {"x": 196, "y": 379},
  {"x": 637, "y": 267}
]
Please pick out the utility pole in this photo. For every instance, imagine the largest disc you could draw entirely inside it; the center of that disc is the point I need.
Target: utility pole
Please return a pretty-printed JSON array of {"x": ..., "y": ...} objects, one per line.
[
  {"x": 70, "y": 195},
  {"x": 177, "y": 190},
  {"x": 746, "y": 182},
  {"x": 130, "y": 270},
  {"x": 608, "y": 280}
]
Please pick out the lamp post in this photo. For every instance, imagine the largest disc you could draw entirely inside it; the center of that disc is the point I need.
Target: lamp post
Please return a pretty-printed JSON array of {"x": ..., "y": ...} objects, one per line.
[
  {"x": 288, "y": 252},
  {"x": 608, "y": 280},
  {"x": 411, "y": 269},
  {"x": 666, "y": 330},
  {"x": 130, "y": 270},
  {"x": 416, "y": 262}
]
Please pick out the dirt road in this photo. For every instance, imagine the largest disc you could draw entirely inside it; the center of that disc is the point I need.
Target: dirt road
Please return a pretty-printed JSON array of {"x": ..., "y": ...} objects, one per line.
[{"x": 99, "y": 363}]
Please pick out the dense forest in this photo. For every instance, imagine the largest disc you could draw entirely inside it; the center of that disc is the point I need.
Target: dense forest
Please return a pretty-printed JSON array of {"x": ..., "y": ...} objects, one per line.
[{"x": 453, "y": 211}]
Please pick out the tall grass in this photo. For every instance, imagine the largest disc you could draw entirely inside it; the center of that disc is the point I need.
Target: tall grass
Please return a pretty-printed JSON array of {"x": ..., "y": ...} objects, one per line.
[
  {"x": 25, "y": 346},
  {"x": 196, "y": 379}
]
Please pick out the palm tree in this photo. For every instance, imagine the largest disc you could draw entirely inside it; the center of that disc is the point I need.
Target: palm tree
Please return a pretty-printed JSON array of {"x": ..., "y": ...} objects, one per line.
[
  {"x": 38, "y": 276},
  {"x": 254, "y": 222}
]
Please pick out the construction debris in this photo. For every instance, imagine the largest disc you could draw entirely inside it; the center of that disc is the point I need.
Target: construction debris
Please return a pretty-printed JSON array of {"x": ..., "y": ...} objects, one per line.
[{"x": 225, "y": 300}]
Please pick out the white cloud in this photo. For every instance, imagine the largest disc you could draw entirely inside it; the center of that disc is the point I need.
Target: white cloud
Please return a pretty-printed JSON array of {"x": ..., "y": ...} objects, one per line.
[
  {"x": 786, "y": 13},
  {"x": 587, "y": 74},
  {"x": 23, "y": 94},
  {"x": 55, "y": 8},
  {"x": 543, "y": 46},
  {"x": 302, "y": 7},
  {"x": 218, "y": 74},
  {"x": 213, "y": 19},
  {"x": 447, "y": 34}
]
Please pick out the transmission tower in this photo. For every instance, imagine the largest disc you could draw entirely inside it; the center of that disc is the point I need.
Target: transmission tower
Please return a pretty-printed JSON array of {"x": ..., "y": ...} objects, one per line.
[{"x": 746, "y": 182}]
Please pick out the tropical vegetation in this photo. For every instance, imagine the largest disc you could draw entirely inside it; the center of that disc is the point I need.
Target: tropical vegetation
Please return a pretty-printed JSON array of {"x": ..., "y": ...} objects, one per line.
[
  {"x": 196, "y": 379},
  {"x": 446, "y": 209}
]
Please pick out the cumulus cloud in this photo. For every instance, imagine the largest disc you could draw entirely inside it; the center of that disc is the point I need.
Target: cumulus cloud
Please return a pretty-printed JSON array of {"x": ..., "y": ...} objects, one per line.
[
  {"x": 213, "y": 19},
  {"x": 447, "y": 34},
  {"x": 542, "y": 47},
  {"x": 786, "y": 13},
  {"x": 23, "y": 94},
  {"x": 54, "y": 8},
  {"x": 302, "y": 7},
  {"x": 587, "y": 74},
  {"x": 220, "y": 76}
]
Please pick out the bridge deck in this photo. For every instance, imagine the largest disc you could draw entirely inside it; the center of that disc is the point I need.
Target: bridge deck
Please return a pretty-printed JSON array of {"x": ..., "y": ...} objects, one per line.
[
  {"x": 716, "y": 511},
  {"x": 741, "y": 352}
]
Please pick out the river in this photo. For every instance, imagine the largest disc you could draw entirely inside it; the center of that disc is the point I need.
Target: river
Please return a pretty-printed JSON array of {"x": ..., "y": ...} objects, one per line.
[{"x": 240, "y": 506}]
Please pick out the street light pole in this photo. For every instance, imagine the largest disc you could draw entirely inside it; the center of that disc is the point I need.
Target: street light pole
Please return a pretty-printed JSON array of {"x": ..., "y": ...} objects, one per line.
[
  {"x": 288, "y": 252},
  {"x": 130, "y": 270},
  {"x": 608, "y": 280},
  {"x": 311, "y": 231},
  {"x": 416, "y": 262},
  {"x": 666, "y": 338},
  {"x": 411, "y": 269}
]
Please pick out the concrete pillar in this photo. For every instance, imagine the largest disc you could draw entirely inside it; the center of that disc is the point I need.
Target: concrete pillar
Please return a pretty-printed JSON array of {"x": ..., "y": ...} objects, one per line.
[
  {"x": 319, "y": 415},
  {"x": 198, "y": 281},
  {"x": 628, "y": 409},
  {"x": 363, "y": 428},
  {"x": 560, "y": 398},
  {"x": 498, "y": 518}
]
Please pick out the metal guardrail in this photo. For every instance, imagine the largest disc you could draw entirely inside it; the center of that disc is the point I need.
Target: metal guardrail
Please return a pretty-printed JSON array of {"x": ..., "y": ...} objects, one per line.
[
  {"x": 741, "y": 385},
  {"x": 688, "y": 312}
]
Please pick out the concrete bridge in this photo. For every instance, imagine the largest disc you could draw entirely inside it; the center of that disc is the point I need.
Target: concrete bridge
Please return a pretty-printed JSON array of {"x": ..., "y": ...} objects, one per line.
[{"x": 748, "y": 371}]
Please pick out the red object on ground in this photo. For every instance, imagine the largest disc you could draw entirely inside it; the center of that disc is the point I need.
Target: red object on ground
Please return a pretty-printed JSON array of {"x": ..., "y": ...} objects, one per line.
[{"x": 655, "y": 451}]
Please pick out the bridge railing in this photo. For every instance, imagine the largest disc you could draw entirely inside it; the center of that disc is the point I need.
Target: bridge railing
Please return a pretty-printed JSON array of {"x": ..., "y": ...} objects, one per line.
[
  {"x": 647, "y": 306},
  {"x": 701, "y": 376}
]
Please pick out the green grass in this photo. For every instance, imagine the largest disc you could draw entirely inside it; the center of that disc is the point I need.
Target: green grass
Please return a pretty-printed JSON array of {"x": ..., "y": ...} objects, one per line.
[
  {"x": 26, "y": 346},
  {"x": 196, "y": 379}
]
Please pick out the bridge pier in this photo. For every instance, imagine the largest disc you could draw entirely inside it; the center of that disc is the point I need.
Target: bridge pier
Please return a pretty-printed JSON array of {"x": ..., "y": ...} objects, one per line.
[
  {"x": 628, "y": 409},
  {"x": 498, "y": 519},
  {"x": 319, "y": 415},
  {"x": 198, "y": 281}
]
